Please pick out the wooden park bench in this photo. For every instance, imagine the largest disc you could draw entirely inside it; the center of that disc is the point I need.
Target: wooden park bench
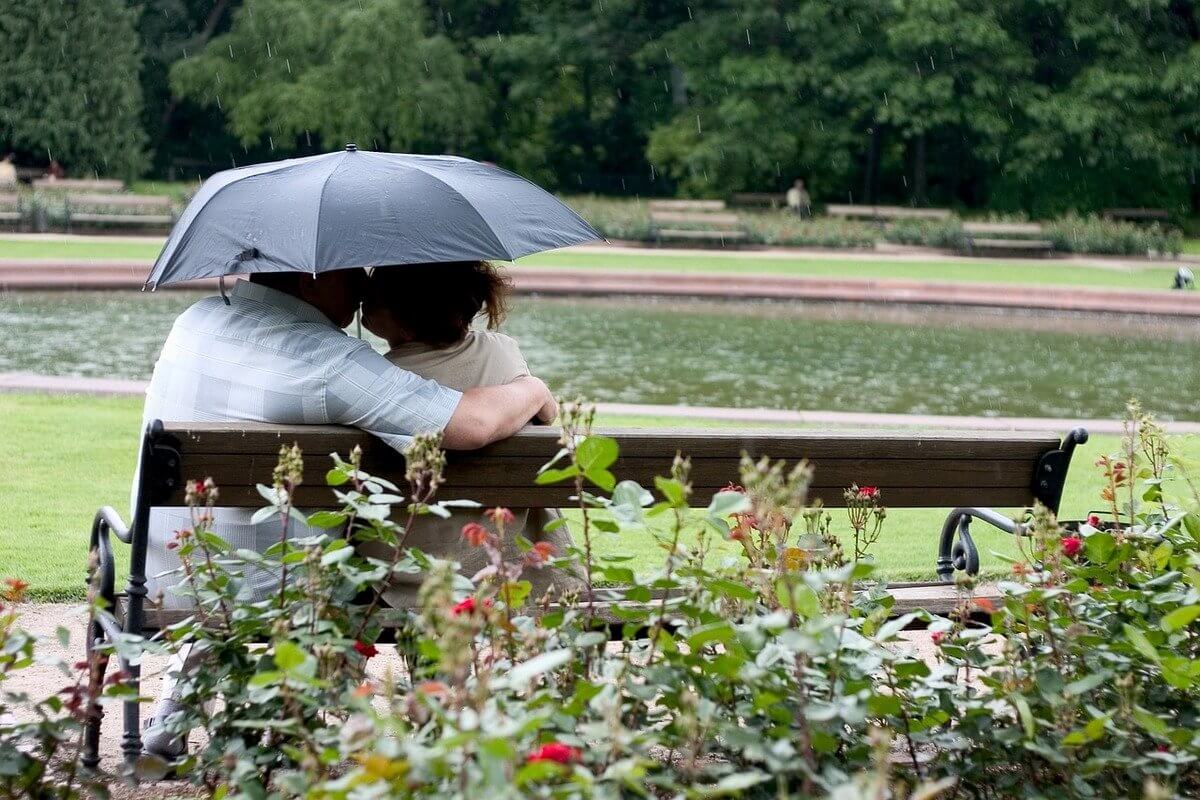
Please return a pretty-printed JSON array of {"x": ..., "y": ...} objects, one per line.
[
  {"x": 123, "y": 210},
  {"x": 78, "y": 185},
  {"x": 761, "y": 199},
  {"x": 694, "y": 221},
  {"x": 968, "y": 472},
  {"x": 1006, "y": 239},
  {"x": 1141, "y": 216},
  {"x": 11, "y": 209},
  {"x": 885, "y": 214}
]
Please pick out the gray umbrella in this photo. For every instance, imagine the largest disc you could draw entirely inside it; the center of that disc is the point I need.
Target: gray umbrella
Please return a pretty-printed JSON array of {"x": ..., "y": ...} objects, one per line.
[{"x": 360, "y": 209}]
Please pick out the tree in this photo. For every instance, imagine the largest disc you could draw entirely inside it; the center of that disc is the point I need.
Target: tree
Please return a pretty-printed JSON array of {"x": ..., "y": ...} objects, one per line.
[
  {"x": 69, "y": 84},
  {"x": 289, "y": 72},
  {"x": 184, "y": 137},
  {"x": 1101, "y": 120},
  {"x": 574, "y": 98}
]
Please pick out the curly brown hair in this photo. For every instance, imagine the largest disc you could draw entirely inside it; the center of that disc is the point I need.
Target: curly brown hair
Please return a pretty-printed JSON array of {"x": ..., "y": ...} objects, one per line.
[{"x": 434, "y": 304}]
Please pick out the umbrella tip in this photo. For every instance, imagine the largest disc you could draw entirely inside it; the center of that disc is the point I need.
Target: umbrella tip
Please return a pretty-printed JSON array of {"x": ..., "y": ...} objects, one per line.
[{"x": 351, "y": 147}]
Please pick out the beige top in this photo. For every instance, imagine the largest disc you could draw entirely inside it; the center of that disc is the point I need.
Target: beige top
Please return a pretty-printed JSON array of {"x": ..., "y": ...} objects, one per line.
[{"x": 483, "y": 358}]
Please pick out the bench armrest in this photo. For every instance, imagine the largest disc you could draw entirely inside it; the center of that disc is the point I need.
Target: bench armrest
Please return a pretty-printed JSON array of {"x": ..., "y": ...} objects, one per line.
[
  {"x": 102, "y": 561},
  {"x": 962, "y": 554}
]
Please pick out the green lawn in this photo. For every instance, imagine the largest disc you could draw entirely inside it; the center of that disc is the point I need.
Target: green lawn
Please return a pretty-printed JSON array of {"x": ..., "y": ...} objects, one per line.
[
  {"x": 1048, "y": 273},
  {"x": 75, "y": 249},
  {"x": 64, "y": 456},
  {"x": 835, "y": 266}
]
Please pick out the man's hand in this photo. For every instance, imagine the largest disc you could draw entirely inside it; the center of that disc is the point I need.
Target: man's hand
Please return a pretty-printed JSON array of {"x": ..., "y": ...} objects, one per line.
[
  {"x": 548, "y": 413},
  {"x": 489, "y": 413}
]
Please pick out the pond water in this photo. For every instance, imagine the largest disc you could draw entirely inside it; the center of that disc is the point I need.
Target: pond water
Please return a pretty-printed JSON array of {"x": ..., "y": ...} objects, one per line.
[{"x": 743, "y": 354}]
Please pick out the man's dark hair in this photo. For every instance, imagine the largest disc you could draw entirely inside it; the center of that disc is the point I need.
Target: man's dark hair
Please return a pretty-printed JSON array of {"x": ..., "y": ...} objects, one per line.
[{"x": 436, "y": 303}]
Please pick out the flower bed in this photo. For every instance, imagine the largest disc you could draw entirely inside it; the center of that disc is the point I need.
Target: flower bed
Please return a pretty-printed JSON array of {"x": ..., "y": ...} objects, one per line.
[
  {"x": 630, "y": 220},
  {"x": 774, "y": 673}
]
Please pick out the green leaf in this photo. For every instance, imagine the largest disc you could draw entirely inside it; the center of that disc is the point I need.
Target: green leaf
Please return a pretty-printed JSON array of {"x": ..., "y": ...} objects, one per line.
[
  {"x": 596, "y": 452},
  {"x": 1100, "y": 547},
  {"x": 724, "y": 504},
  {"x": 337, "y": 556},
  {"x": 883, "y": 705},
  {"x": 1141, "y": 643},
  {"x": 1150, "y": 723},
  {"x": 735, "y": 783},
  {"x": 327, "y": 519},
  {"x": 291, "y": 659},
  {"x": 1026, "y": 715},
  {"x": 733, "y": 589},
  {"x": 1180, "y": 618},
  {"x": 671, "y": 490},
  {"x": 544, "y": 662},
  {"x": 1086, "y": 683},
  {"x": 337, "y": 477},
  {"x": 514, "y": 592},
  {"x": 715, "y": 632},
  {"x": 556, "y": 475}
]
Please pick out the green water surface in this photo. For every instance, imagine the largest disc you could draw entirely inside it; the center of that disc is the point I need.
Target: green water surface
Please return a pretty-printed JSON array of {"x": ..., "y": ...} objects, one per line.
[{"x": 742, "y": 354}]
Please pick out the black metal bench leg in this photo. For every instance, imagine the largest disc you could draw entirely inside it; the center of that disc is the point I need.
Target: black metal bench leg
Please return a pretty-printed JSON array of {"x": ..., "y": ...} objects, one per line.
[
  {"x": 97, "y": 666},
  {"x": 131, "y": 742}
]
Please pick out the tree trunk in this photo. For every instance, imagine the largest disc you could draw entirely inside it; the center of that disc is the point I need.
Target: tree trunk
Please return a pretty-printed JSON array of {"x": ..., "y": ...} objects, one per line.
[
  {"x": 206, "y": 33},
  {"x": 871, "y": 174},
  {"x": 920, "y": 190}
]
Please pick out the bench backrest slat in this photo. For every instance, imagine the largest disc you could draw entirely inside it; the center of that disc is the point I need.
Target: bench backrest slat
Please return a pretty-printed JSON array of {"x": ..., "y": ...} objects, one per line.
[{"x": 912, "y": 469}]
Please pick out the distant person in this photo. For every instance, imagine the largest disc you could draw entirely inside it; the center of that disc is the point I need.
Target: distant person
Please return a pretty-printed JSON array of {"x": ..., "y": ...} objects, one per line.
[
  {"x": 8, "y": 172},
  {"x": 1184, "y": 279},
  {"x": 432, "y": 337},
  {"x": 55, "y": 171},
  {"x": 798, "y": 201}
]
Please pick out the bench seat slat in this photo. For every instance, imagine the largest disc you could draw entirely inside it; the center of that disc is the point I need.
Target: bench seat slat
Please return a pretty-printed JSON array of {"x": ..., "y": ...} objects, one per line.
[
  {"x": 542, "y": 442},
  {"x": 498, "y": 471},
  {"x": 559, "y": 496}
]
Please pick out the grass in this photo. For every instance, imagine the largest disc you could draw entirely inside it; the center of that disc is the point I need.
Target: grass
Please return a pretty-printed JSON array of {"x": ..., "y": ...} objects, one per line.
[
  {"x": 836, "y": 266},
  {"x": 65, "y": 456},
  {"x": 80, "y": 249},
  {"x": 1191, "y": 247},
  {"x": 933, "y": 269}
]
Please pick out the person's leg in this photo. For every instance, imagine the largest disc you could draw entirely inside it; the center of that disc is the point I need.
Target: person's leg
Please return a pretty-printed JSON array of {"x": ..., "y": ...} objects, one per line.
[{"x": 157, "y": 738}]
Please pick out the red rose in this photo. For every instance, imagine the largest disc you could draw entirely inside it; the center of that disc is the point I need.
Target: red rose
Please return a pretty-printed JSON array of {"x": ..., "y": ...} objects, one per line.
[
  {"x": 366, "y": 650},
  {"x": 1071, "y": 545},
  {"x": 1094, "y": 520},
  {"x": 475, "y": 534},
  {"x": 557, "y": 752},
  {"x": 464, "y": 606},
  {"x": 985, "y": 604},
  {"x": 15, "y": 590},
  {"x": 500, "y": 515},
  {"x": 936, "y": 637},
  {"x": 540, "y": 553}
]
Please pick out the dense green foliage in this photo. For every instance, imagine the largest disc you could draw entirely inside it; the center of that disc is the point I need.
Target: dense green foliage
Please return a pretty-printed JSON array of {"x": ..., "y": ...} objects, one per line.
[
  {"x": 1045, "y": 107},
  {"x": 68, "y": 84}
]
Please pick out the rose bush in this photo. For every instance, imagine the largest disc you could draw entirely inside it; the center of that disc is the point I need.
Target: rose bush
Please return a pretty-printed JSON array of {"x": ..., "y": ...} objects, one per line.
[{"x": 778, "y": 671}]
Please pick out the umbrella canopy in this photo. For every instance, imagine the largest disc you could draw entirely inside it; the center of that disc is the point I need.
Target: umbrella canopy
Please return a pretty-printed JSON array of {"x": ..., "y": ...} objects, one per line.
[{"x": 361, "y": 209}]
